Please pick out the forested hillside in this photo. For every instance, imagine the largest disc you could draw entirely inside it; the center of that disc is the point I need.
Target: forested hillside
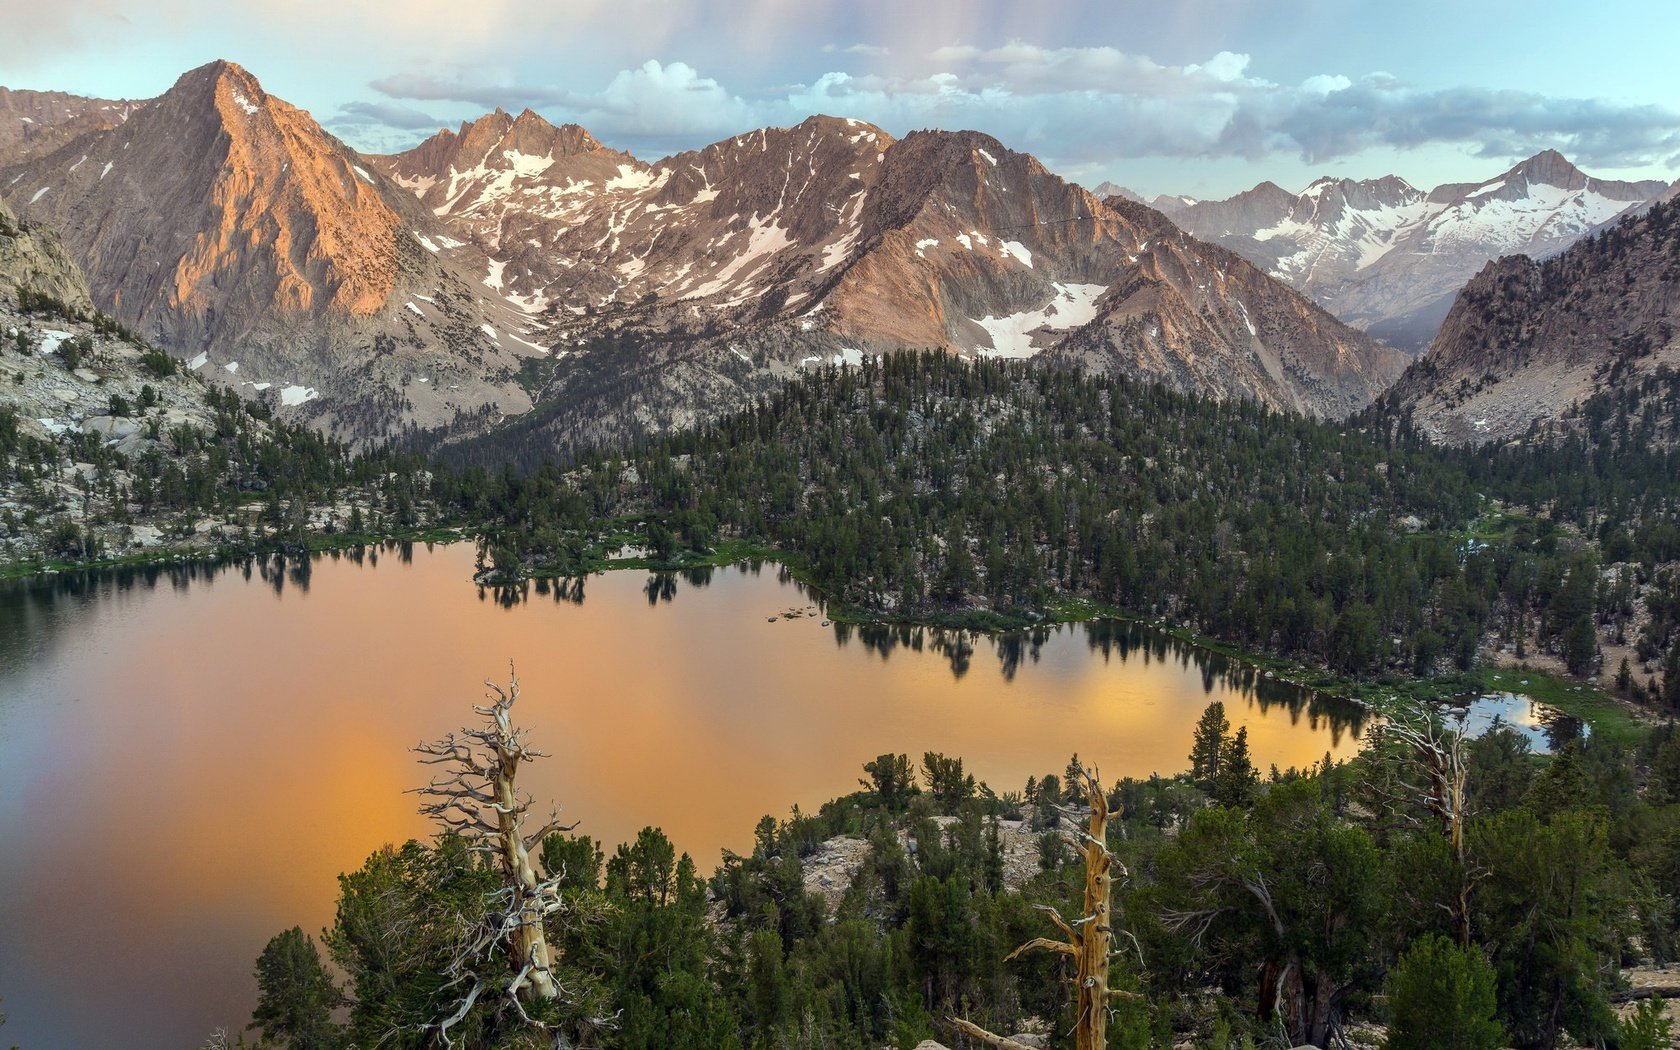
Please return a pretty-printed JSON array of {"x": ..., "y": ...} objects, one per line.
[
  {"x": 1460, "y": 894},
  {"x": 918, "y": 487},
  {"x": 112, "y": 449}
]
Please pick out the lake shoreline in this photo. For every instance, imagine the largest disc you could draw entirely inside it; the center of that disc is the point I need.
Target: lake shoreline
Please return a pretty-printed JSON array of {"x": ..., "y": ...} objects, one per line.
[{"x": 1386, "y": 696}]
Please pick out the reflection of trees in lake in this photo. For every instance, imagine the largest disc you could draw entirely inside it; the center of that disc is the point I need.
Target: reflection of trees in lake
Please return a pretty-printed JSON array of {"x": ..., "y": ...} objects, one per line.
[
  {"x": 956, "y": 646},
  {"x": 507, "y": 595},
  {"x": 660, "y": 587},
  {"x": 35, "y": 609},
  {"x": 277, "y": 570},
  {"x": 1126, "y": 640},
  {"x": 1561, "y": 729},
  {"x": 567, "y": 589},
  {"x": 1113, "y": 639},
  {"x": 31, "y": 610}
]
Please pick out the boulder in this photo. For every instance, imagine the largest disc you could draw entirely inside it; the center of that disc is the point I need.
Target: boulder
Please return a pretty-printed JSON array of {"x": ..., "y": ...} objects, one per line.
[{"x": 112, "y": 428}]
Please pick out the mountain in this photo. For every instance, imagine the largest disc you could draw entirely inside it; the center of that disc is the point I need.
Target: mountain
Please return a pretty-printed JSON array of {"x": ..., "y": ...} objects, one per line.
[
  {"x": 1388, "y": 257},
  {"x": 512, "y": 186},
  {"x": 33, "y": 260},
  {"x": 585, "y": 229},
  {"x": 1201, "y": 319},
  {"x": 686, "y": 287},
  {"x": 1575, "y": 340},
  {"x": 509, "y": 257},
  {"x": 36, "y": 122},
  {"x": 1114, "y": 189},
  {"x": 226, "y": 225},
  {"x": 1164, "y": 203}
]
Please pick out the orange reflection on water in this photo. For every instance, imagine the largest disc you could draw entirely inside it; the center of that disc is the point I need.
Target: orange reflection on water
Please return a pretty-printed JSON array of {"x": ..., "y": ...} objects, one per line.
[{"x": 188, "y": 769}]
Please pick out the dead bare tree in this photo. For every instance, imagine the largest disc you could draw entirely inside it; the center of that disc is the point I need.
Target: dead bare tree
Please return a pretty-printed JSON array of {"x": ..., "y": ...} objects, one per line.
[
  {"x": 1090, "y": 938},
  {"x": 1439, "y": 755},
  {"x": 477, "y": 798}
]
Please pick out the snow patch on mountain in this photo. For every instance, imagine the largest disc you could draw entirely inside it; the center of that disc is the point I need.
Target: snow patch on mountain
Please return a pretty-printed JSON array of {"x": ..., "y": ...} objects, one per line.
[
  {"x": 763, "y": 240},
  {"x": 629, "y": 178},
  {"x": 1012, "y": 336}
]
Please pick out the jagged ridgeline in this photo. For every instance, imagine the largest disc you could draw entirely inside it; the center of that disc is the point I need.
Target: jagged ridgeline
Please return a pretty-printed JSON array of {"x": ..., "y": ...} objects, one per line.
[
  {"x": 1389, "y": 257},
  {"x": 921, "y": 487},
  {"x": 504, "y": 268}
]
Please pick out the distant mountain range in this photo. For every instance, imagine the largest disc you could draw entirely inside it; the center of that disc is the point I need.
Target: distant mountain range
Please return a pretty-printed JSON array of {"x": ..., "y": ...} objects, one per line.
[
  {"x": 510, "y": 262},
  {"x": 510, "y": 268},
  {"x": 1387, "y": 257},
  {"x": 1586, "y": 337}
]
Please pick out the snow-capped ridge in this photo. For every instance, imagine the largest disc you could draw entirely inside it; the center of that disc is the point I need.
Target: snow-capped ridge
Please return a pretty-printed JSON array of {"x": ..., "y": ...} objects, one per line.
[{"x": 1383, "y": 254}]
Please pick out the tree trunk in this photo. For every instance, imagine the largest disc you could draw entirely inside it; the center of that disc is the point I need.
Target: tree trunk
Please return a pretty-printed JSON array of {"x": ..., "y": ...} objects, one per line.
[
  {"x": 1091, "y": 982},
  {"x": 530, "y": 937},
  {"x": 1089, "y": 939}
]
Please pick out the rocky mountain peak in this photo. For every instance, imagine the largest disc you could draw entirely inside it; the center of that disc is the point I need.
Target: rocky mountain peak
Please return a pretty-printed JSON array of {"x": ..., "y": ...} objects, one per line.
[
  {"x": 227, "y": 225},
  {"x": 479, "y": 170},
  {"x": 1549, "y": 168},
  {"x": 223, "y": 86},
  {"x": 497, "y": 135},
  {"x": 1333, "y": 195},
  {"x": 1384, "y": 256},
  {"x": 1106, "y": 189},
  {"x": 1267, "y": 195},
  {"x": 279, "y": 189}
]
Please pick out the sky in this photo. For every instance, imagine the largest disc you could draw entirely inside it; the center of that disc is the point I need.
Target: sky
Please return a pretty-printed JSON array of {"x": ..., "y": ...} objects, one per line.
[{"x": 1199, "y": 97}]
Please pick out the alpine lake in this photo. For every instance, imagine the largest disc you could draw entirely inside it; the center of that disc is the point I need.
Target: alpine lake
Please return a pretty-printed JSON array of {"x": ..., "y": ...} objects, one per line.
[{"x": 193, "y": 753}]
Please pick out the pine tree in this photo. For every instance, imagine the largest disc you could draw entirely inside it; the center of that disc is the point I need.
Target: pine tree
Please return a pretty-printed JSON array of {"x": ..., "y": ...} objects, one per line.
[
  {"x": 1237, "y": 777},
  {"x": 1208, "y": 747},
  {"x": 295, "y": 994}
]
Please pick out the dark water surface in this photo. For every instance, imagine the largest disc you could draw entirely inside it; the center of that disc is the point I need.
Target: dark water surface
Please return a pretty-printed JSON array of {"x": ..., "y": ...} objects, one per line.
[{"x": 189, "y": 758}]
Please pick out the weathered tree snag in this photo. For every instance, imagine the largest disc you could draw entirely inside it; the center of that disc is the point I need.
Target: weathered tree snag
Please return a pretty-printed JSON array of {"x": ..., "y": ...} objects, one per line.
[
  {"x": 1090, "y": 938},
  {"x": 1440, "y": 754},
  {"x": 477, "y": 798}
]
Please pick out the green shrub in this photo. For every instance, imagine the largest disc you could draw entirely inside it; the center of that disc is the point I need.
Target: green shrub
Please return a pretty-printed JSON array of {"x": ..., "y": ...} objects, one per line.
[{"x": 1443, "y": 997}]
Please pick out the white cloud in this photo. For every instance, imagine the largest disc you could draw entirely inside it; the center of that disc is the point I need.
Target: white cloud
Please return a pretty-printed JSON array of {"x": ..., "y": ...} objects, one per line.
[
  {"x": 1080, "y": 106},
  {"x": 867, "y": 50},
  {"x": 386, "y": 114}
]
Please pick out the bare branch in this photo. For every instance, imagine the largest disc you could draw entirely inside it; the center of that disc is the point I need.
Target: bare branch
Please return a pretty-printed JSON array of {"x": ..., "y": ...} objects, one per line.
[
  {"x": 1046, "y": 944},
  {"x": 1056, "y": 917},
  {"x": 972, "y": 1030}
]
